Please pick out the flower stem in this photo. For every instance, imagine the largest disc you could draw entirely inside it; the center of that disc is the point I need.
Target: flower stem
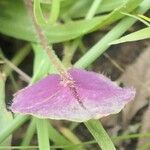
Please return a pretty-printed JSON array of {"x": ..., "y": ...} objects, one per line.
[
  {"x": 44, "y": 43},
  {"x": 66, "y": 78}
]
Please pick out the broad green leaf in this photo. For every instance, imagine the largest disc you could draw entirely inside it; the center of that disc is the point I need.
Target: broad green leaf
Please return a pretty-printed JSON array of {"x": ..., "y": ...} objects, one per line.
[
  {"x": 19, "y": 25},
  {"x": 5, "y": 116},
  {"x": 83, "y": 6},
  {"x": 135, "y": 36},
  {"x": 127, "y": 6}
]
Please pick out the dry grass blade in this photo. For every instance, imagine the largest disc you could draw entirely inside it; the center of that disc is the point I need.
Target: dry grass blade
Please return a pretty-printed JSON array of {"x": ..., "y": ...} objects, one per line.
[
  {"x": 19, "y": 71},
  {"x": 137, "y": 75},
  {"x": 145, "y": 128}
]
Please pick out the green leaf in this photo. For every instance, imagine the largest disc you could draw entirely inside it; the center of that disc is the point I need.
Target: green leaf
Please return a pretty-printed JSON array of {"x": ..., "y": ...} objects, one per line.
[
  {"x": 15, "y": 124},
  {"x": 127, "y": 6},
  {"x": 29, "y": 134},
  {"x": 103, "y": 44},
  {"x": 38, "y": 13},
  {"x": 42, "y": 64},
  {"x": 135, "y": 36},
  {"x": 100, "y": 135},
  {"x": 139, "y": 18},
  {"x": 59, "y": 139},
  {"x": 55, "y": 9},
  {"x": 5, "y": 116},
  {"x": 42, "y": 130},
  {"x": 19, "y": 25},
  {"x": 70, "y": 8}
]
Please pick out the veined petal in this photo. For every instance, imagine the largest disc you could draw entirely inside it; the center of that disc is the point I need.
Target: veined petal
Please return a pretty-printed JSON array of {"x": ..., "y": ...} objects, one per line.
[{"x": 48, "y": 98}]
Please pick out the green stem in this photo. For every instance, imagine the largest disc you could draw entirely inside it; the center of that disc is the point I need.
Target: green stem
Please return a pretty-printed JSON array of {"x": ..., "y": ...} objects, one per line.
[
  {"x": 5, "y": 116},
  {"x": 100, "y": 135},
  {"x": 43, "y": 136},
  {"x": 14, "y": 83},
  {"x": 90, "y": 14},
  {"x": 44, "y": 43},
  {"x": 38, "y": 13},
  {"x": 29, "y": 134},
  {"x": 70, "y": 135},
  {"x": 56, "y": 137},
  {"x": 102, "y": 45},
  {"x": 2, "y": 91},
  {"x": 55, "y": 8},
  {"x": 69, "y": 52},
  {"x": 130, "y": 136},
  {"x": 138, "y": 18},
  {"x": 16, "y": 123},
  {"x": 59, "y": 139},
  {"x": 93, "y": 9},
  {"x": 18, "y": 147}
]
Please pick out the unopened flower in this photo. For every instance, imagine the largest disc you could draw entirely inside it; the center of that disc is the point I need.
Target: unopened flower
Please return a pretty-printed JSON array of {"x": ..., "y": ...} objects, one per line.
[{"x": 91, "y": 97}]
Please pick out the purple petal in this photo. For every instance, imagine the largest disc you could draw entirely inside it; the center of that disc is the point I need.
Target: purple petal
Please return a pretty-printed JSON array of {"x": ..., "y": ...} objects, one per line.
[{"x": 49, "y": 98}]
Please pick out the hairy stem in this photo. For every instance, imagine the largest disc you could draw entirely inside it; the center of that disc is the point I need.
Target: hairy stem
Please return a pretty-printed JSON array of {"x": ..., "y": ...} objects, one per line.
[{"x": 44, "y": 43}]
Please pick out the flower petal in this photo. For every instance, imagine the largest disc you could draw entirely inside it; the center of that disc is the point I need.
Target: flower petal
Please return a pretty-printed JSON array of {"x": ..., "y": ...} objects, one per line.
[{"x": 50, "y": 99}]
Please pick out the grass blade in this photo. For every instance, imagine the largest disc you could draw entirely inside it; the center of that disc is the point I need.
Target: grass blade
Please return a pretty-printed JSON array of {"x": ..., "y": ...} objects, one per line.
[
  {"x": 100, "y": 135},
  {"x": 38, "y": 13},
  {"x": 5, "y": 116},
  {"x": 93, "y": 8},
  {"x": 29, "y": 134},
  {"x": 42, "y": 131},
  {"x": 15, "y": 124},
  {"x": 135, "y": 36},
  {"x": 18, "y": 58},
  {"x": 59, "y": 139},
  {"x": 102, "y": 45},
  {"x": 55, "y": 9}
]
